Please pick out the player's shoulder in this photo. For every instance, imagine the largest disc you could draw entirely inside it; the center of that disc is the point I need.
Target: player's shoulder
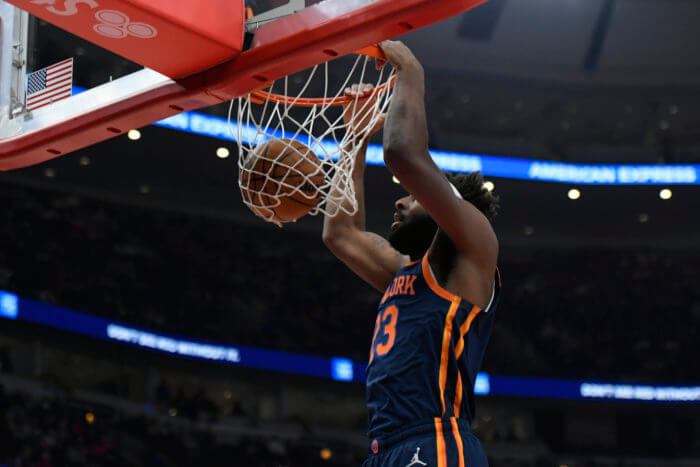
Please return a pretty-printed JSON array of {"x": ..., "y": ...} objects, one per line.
[{"x": 458, "y": 275}]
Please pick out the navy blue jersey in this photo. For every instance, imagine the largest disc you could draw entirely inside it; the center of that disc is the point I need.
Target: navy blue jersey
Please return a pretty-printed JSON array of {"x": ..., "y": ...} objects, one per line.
[{"x": 426, "y": 351}]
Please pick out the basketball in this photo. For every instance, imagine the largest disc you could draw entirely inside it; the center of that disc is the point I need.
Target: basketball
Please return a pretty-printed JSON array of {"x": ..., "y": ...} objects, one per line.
[{"x": 280, "y": 180}]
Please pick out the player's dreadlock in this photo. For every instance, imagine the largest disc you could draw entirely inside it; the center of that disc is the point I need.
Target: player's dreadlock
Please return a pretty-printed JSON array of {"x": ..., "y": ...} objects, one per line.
[{"x": 471, "y": 187}]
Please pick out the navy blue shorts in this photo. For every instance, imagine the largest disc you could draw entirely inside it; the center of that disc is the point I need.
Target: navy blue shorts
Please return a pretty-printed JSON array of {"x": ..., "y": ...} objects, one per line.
[{"x": 446, "y": 442}]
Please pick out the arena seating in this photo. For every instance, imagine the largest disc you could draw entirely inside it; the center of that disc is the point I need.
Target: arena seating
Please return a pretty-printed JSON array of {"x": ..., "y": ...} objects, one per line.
[{"x": 599, "y": 313}]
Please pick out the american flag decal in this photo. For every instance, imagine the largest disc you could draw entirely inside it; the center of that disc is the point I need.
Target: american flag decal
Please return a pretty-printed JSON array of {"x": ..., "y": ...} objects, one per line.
[{"x": 50, "y": 85}]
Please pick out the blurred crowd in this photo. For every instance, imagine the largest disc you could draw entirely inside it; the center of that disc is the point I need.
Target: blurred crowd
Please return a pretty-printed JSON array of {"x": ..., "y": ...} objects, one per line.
[
  {"x": 604, "y": 313},
  {"x": 630, "y": 315},
  {"x": 59, "y": 430},
  {"x": 183, "y": 274}
]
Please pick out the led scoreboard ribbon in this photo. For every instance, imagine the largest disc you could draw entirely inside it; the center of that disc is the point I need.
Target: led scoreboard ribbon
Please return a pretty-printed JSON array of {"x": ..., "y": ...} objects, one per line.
[
  {"x": 340, "y": 369},
  {"x": 492, "y": 166}
]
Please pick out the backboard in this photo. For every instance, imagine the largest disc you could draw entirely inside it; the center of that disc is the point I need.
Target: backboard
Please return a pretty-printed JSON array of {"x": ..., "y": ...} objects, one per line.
[{"x": 285, "y": 37}]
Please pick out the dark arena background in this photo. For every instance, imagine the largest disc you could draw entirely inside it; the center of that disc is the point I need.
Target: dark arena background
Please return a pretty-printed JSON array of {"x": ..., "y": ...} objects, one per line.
[{"x": 147, "y": 318}]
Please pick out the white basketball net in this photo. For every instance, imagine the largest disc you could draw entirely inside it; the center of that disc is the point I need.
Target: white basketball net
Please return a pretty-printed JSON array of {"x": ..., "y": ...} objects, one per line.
[{"x": 320, "y": 127}]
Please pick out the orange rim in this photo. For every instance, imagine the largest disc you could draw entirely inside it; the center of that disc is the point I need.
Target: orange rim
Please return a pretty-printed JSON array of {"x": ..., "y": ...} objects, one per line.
[{"x": 260, "y": 96}]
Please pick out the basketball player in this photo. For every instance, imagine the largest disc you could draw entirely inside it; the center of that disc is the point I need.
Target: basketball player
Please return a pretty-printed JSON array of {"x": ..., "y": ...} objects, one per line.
[{"x": 437, "y": 271}]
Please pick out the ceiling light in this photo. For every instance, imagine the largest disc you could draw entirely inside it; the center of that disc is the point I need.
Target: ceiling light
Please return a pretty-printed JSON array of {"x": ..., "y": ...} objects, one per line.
[
  {"x": 222, "y": 153},
  {"x": 574, "y": 194},
  {"x": 134, "y": 135},
  {"x": 85, "y": 161},
  {"x": 395, "y": 180},
  {"x": 665, "y": 194},
  {"x": 644, "y": 218},
  {"x": 489, "y": 185},
  {"x": 49, "y": 173}
]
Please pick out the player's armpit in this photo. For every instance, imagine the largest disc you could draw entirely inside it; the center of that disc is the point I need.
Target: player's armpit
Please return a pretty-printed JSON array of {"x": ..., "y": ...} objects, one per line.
[{"x": 369, "y": 255}]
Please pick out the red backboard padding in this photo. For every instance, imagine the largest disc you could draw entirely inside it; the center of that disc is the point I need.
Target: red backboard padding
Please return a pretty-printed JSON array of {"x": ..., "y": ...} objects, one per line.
[
  {"x": 322, "y": 32},
  {"x": 174, "y": 37},
  {"x": 288, "y": 45}
]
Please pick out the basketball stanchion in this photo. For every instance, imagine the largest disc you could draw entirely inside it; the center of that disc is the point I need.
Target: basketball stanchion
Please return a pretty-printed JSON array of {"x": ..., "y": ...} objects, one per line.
[{"x": 296, "y": 153}]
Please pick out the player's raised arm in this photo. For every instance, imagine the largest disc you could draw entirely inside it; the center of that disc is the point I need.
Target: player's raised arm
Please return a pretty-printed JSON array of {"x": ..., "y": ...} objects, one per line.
[
  {"x": 369, "y": 255},
  {"x": 406, "y": 154}
]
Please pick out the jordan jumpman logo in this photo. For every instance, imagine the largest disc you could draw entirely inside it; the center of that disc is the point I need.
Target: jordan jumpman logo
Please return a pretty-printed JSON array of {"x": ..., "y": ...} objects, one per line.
[{"x": 416, "y": 460}]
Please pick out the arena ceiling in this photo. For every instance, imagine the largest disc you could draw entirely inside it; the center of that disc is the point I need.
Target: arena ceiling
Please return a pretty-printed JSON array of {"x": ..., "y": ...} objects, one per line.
[
  {"x": 593, "y": 81},
  {"x": 619, "y": 42}
]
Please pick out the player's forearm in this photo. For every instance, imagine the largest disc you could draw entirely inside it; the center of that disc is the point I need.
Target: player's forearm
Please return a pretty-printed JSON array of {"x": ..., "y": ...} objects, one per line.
[
  {"x": 406, "y": 130},
  {"x": 341, "y": 222},
  {"x": 358, "y": 180}
]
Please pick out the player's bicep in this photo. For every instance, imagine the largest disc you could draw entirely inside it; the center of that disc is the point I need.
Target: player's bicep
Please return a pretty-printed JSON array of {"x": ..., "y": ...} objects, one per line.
[{"x": 370, "y": 256}]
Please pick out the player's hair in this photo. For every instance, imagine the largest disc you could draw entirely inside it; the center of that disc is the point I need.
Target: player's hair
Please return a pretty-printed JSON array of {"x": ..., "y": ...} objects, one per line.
[{"x": 471, "y": 187}]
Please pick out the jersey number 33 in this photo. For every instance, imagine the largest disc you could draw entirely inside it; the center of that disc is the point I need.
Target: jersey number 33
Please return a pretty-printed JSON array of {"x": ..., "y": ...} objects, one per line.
[{"x": 384, "y": 332}]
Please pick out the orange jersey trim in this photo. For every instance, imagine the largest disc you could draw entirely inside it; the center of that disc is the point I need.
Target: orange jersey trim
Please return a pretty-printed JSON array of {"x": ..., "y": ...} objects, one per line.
[
  {"x": 441, "y": 451},
  {"x": 458, "y": 438},
  {"x": 458, "y": 395},
  {"x": 465, "y": 329},
  {"x": 411, "y": 263},
  {"x": 444, "y": 357},
  {"x": 433, "y": 284},
  {"x": 458, "y": 353}
]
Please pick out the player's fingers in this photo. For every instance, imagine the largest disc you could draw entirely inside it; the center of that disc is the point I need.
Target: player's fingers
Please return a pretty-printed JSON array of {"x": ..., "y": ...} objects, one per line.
[
  {"x": 397, "y": 53},
  {"x": 388, "y": 48},
  {"x": 366, "y": 90},
  {"x": 352, "y": 91}
]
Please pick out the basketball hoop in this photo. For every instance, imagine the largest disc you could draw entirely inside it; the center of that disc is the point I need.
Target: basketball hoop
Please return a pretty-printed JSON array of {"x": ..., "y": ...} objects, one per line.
[
  {"x": 260, "y": 97},
  {"x": 286, "y": 111}
]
